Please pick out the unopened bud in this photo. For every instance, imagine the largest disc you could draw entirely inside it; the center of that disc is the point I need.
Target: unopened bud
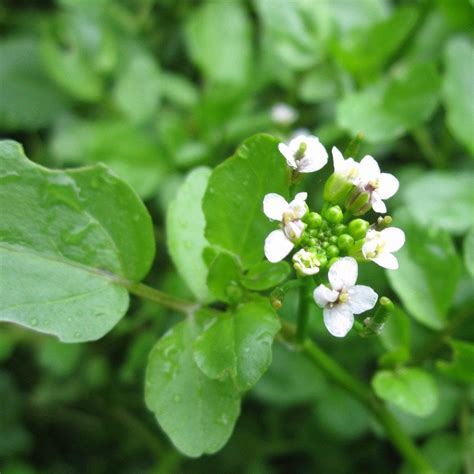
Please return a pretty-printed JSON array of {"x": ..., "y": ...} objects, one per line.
[
  {"x": 323, "y": 260},
  {"x": 336, "y": 189},
  {"x": 345, "y": 242},
  {"x": 383, "y": 222},
  {"x": 332, "y": 251},
  {"x": 334, "y": 214},
  {"x": 314, "y": 220},
  {"x": 358, "y": 228},
  {"x": 358, "y": 203},
  {"x": 339, "y": 229}
]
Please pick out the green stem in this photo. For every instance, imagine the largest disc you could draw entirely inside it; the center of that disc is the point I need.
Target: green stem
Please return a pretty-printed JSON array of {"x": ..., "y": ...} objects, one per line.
[
  {"x": 335, "y": 372},
  {"x": 429, "y": 150},
  {"x": 157, "y": 296},
  {"x": 303, "y": 312}
]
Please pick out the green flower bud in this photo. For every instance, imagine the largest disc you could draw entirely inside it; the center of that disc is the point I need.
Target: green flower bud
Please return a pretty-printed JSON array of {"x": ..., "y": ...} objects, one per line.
[
  {"x": 345, "y": 242},
  {"x": 323, "y": 260},
  {"x": 314, "y": 220},
  {"x": 334, "y": 214},
  {"x": 339, "y": 229},
  {"x": 325, "y": 244},
  {"x": 358, "y": 203},
  {"x": 336, "y": 189},
  {"x": 324, "y": 226},
  {"x": 332, "y": 251},
  {"x": 358, "y": 228},
  {"x": 374, "y": 325},
  {"x": 333, "y": 239}
]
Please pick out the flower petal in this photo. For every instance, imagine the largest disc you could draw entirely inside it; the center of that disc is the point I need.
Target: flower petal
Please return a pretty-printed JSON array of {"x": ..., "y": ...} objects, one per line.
[
  {"x": 288, "y": 154},
  {"x": 388, "y": 185},
  {"x": 361, "y": 298},
  {"x": 274, "y": 206},
  {"x": 343, "y": 273},
  {"x": 277, "y": 246},
  {"x": 315, "y": 156},
  {"x": 377, "y": 204},
  {"x": 386, "y": 260},
  {"x": 337, "y": 160},
  {"x": 394, "y": 238},
  {"x": 369, "y": 169},
  {"x": 338, "y": 320},
  {"x": 323, "y": 295},
  {"x": 300, "y": 197}
]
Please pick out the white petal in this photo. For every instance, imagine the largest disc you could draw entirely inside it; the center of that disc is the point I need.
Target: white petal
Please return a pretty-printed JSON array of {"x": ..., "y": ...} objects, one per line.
[
  {"x": 288, "y": 154},
  {"x": 369, "y": 169},
  {"x": 315, "y": 156},
  {"x": 388, "y": 185},
  {"x": 323, "y": 295},
  {"x": 386, "y": 260},
  {"x": 293, "y": 230},
  {"x": 394, "y": 238},
  {"x": 371, "y": 242},
  {"x": 274, "y": 206},
  {"x": 337, "y": 160},
  {"x": 338, "y": 320},
  {"x": 377, "y": 204},
  {"x": 295, "y": 143},
  {"x": 343, "y": 273},
  {"x": 361, "y": 298},
  {"x": 300, "y": 197},
  {"x": 277, "y": 246}
]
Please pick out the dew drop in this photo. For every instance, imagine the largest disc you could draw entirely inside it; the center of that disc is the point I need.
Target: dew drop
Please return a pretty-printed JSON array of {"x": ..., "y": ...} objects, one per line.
[{"x": 78, "y": 334}]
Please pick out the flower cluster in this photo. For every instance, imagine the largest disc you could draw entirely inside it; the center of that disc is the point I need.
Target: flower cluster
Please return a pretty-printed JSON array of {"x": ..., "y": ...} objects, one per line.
[{"x": 332, "y": 241}]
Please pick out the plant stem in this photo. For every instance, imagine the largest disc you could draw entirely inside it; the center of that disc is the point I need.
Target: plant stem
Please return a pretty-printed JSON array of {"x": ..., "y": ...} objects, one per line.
[
  {"x": 303, "y": 313},
  {"x": 335, "y": 372},
  {"x": 157, "y": 296},
  {"x": 430, "y": 151}
]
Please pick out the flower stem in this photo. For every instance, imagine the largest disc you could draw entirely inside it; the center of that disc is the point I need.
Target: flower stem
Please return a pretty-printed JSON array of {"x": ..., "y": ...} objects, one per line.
[
  {"x": 303, "y": 312},
  {"x": 335, "y": 372},
  {"x": 157, "y": 296}
]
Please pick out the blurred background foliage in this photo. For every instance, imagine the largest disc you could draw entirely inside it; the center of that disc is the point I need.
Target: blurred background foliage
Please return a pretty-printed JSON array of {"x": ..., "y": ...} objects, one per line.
[{"x": 155, "y": 88}]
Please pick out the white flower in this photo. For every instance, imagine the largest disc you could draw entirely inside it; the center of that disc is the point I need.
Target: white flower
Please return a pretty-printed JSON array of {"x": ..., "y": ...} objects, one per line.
[
  {"x": 348, "y": 169},
  {"x": 279, "y": 243},
  {"x": 378, "y": 246},
  {"x": 344, "y": 298},
  {"x": 283, "y": 114},
  {"x": 305, "y": 262},
  {"x": 304, "y": 153},
  {"x": 379, "y": 185}
]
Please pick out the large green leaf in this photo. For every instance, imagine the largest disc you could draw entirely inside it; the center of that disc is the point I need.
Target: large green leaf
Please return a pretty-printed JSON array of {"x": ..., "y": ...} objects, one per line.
[
  {"x": 66, "y": 239},
  {"x": 391, "y": 107},
  {"x": 218, "y": 37},
  {"x": 429, "y": 272},
  {"x": 238, "y": 344},
  {"x": 458, "y": 91},
  {"x": 442, "y": 198},
  {"x": 196, "y": 412},
  {"x": 411, "y": 389},
  {"x": 28, "y": 99},
  {"x": 185, "y": 232},
  {"x": 234, "y": 196}
]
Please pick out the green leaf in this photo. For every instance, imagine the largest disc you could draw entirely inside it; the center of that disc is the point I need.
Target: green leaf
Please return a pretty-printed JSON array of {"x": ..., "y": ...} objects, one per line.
[
  {"x": 393, "y": 106},
  {"x": 266, "y": 275},
  {"x": 290, "y": 380},
  {"x": 468, "y": 248},
  {"x": 223, "y": 278},
  {"x": 429, "y": 272},
  {"x": 64, "y": 251},
  {"x": 396, "y": 331},
  {"x": 131, "y": 153},
  {"x": 457, "y": 89},
  {"x": 185, "y": 232},
  {"x": 218, "y": 37},
  {"x": 28, "y": 99},
  {"x": 196, "y": 412},
  {"x": 138, "y": 89},
  {"x": 239, "y": 344},
  {"x": 442, "y": 198},
  {"x": 365, "y": 52},
  {"x": 462, "y": 366},
  {"x": 413, "y": 390},
  {"x": 233, "y": 200}
]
